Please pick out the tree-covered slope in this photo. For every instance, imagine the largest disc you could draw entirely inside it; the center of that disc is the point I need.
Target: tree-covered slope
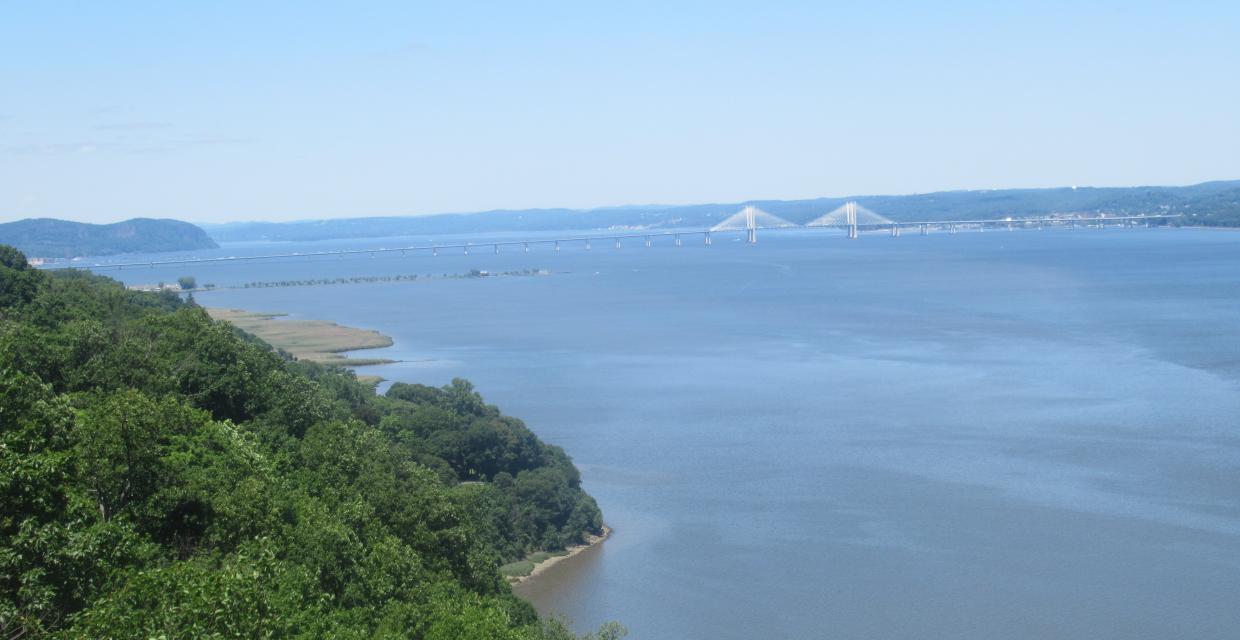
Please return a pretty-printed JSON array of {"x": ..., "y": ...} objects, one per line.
[
  {"x": 165, "y": 475},
  {"x": 51, "y": 238}
]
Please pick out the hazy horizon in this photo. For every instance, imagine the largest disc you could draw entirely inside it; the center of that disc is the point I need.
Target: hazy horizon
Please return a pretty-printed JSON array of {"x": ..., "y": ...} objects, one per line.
[
  {"x": 653, "y": 205},
  {"x": 232, "y": 112}
]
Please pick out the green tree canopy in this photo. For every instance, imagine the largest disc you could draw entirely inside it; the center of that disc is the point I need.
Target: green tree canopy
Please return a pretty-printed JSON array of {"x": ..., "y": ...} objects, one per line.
[{"x": 166, "y": 475}]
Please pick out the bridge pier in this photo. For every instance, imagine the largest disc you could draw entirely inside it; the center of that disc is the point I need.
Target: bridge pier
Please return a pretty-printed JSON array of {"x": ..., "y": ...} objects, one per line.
[
  {"x": 925, "y": 229},
  {"x": 708, "y": 238},
  {"x": 951, "y": 228},
  {"x": 852, "y": 232},
  {"x": 617, "y": 243},
  {"x": 678, "y": 239},
  {"x": 587, "y": 244},
  {"x": 647, "y": 242},
  {"x": 434, "y": 251},
  {"x": 497, "y": 249},
  {"x": 557, "y": 245},
  {"x": 466, "y": 248},
  {"x": 527, "y": 247},
  {"x": 895, "y": 231}
]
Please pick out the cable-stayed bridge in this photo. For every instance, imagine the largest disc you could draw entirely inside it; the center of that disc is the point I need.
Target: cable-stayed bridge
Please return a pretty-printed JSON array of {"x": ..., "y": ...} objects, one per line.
[
  {"x": 849, "y": 217},
  {"x": 751, "y": 219}
]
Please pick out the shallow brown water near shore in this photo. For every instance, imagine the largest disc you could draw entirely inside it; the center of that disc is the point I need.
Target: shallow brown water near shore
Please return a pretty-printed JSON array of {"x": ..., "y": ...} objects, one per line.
[{"x": 560, "y": 573}]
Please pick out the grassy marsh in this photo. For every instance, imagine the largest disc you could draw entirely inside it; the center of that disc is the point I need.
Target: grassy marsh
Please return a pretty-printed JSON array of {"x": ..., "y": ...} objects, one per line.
[{"x": 313, "y": 340}]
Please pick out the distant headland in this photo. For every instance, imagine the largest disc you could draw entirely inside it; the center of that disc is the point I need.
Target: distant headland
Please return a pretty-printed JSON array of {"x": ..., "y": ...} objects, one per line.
[{"x": 52, "y": 238}]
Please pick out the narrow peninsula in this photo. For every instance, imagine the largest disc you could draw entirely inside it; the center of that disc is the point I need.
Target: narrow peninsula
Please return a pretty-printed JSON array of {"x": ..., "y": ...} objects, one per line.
[{"x": 313, "y": 340}]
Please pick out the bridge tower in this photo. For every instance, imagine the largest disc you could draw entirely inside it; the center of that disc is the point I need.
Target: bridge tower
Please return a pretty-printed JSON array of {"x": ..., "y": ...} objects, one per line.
[{"x": 751, "y": 225}]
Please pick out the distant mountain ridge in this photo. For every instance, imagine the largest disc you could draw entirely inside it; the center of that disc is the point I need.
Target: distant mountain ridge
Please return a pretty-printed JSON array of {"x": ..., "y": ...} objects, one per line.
[
  {"x": 1208, "y": 203},
  {"x": 52, "y": 238}
]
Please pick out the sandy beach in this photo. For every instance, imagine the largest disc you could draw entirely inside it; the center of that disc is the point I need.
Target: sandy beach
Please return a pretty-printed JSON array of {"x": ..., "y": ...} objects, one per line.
[{"x": 545, "y": 565}]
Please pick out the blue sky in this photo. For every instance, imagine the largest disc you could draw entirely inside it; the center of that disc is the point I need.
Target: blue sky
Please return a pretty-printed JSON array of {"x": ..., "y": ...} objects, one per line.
[{"x": 260, "y": 110}]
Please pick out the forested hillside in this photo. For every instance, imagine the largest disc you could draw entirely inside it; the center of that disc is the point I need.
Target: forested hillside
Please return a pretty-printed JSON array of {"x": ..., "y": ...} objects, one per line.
[
  {"x": 165, "y": 475},
  {"x": 51, "y": 238}
]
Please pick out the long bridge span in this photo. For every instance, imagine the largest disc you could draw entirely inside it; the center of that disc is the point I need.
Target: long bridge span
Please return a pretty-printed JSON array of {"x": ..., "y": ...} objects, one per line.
[{"x": 849, "y": 217}]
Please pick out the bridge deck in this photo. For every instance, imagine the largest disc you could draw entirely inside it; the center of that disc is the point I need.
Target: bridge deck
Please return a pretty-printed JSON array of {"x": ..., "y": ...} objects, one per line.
[{"x": 434, "y": 249}]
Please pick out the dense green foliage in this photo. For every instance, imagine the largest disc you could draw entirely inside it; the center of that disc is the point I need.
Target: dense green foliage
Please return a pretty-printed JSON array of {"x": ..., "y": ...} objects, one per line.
[
  {"x": 1215, "y": 208},
  {"x": 165, "y": 475},
  {"x": 50, "y": 238}
]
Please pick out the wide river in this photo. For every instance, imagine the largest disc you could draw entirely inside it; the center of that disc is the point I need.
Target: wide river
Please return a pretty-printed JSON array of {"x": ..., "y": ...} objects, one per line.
[{"x": 983, "y": 435}]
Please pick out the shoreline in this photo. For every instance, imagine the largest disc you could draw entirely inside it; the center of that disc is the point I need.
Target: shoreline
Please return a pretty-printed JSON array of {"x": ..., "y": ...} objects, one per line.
[
  {"x": 322, "y": 342},
  {"x": 542, "y": 567},
  {"x": 311, "y": 340}
]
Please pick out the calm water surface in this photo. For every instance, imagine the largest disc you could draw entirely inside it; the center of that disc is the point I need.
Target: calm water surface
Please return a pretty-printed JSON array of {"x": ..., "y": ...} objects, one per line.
[{"x": 999, "y": 435}]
